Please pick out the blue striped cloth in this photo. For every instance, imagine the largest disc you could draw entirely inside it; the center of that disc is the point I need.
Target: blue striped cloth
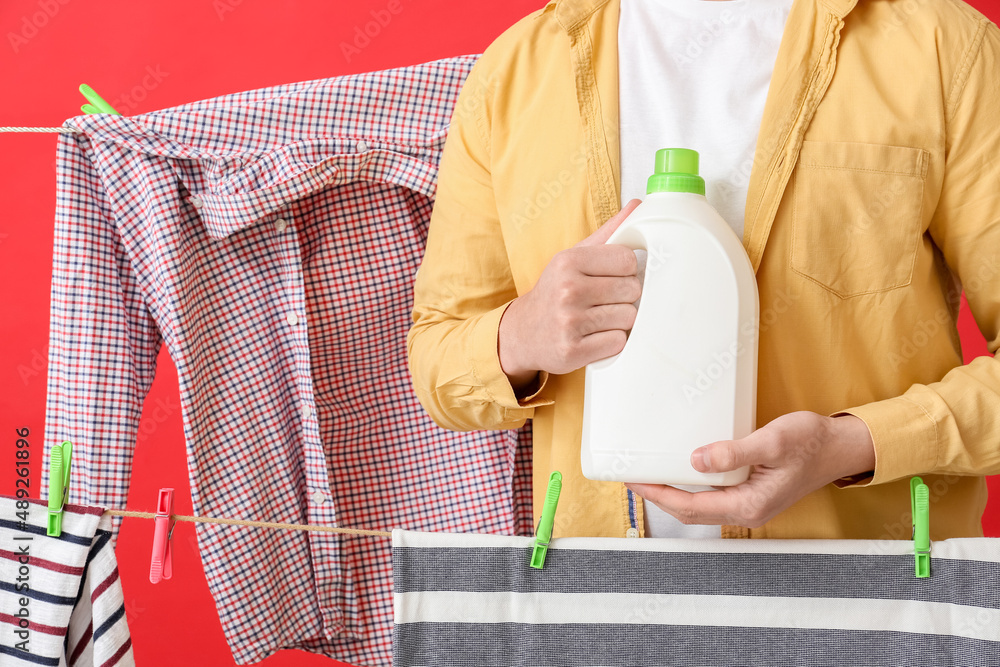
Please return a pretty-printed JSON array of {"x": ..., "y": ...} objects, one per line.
[
  {"x": 473, "y": 600},
  {"x": 61, "y": 601}
]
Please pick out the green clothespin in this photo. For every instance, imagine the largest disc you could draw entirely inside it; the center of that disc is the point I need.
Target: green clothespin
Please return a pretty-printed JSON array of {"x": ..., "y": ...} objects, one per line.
[
  {"x": 544, "y": 532},
  {"x": 97, "y": 103},
  {"x": 920, "y": 508},
  {"x": 59, "y": 464}
]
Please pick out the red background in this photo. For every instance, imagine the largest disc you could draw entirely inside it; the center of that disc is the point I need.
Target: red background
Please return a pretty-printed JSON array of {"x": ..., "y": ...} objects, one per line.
[{"x": 200, "y": 50}]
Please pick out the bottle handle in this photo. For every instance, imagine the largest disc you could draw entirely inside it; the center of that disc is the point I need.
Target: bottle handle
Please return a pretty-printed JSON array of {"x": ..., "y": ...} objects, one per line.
[{"x": 630, "y": 236}]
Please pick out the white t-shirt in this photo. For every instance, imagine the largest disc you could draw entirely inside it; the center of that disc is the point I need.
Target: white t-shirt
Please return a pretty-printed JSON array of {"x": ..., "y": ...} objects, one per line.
[{"x": 694, "y": 74}]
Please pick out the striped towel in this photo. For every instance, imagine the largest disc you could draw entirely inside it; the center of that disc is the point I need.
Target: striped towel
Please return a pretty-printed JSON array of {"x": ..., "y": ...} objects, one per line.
[
  {"x": 473, "y": 600},
  {"x": 60, "y": 598}
]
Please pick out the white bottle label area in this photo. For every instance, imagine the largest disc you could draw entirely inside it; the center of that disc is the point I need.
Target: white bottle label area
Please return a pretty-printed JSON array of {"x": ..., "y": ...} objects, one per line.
[{"x": 687, "y": 375}]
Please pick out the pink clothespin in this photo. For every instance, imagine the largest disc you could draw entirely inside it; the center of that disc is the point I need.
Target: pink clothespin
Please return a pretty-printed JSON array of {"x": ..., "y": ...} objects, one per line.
[{"x": 161, "y": 566}]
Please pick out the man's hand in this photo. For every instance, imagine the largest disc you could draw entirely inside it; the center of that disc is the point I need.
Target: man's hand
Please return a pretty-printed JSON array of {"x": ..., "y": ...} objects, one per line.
[
  {"x": 792, "y": 456},
  {"x": 577, "y": 312}
]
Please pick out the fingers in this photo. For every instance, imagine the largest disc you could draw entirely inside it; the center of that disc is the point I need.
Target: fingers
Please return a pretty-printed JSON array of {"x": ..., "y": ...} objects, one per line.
[
  {"x": 598, "y": 335},
  {"x": 733, "y": 505},
  {"x": 596, "y": 292},
  {"x": 578, "y": 311},
  {"x": 605, "y": 231},
  {"x": 709, "y": 508},
  {"x": 617, "y": 316},
  {"x": 585, "y": 278},
  {"x": 600, "y": 345},
  {"x": 788, "y": 459},
  {"x": 605, "y": 260}
]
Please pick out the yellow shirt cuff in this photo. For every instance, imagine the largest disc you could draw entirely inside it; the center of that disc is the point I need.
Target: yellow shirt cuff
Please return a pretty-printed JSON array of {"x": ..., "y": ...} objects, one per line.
[
  {"x": 485, "y": 357},
  {"x": 905, "y": 439}
]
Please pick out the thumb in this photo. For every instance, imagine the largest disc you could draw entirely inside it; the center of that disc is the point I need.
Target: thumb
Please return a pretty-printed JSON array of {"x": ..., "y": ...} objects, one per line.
[
  {"x": 604, "y": 232},
  {"x": 726, "y": 455}
]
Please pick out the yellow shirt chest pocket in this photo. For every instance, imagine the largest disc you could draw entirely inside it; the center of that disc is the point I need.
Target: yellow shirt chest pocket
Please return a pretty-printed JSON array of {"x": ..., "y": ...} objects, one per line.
[{"x": 856, "y": 215}]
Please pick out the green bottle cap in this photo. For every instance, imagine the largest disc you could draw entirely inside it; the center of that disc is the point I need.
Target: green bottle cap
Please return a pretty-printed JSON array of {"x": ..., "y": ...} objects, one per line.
[{"x": 676, "y": 170}]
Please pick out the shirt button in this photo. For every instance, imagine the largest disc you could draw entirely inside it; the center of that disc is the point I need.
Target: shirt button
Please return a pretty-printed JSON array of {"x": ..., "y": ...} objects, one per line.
[
  {"x": 281, "y": 224},
  {"x": 632, "y": 532},
  {"x": 306, "y": 411},
  {"x": 318, "y": 497},
  {"x": 362, "y": 146},
  {"x": 292, "y": 319},
  {"x": 196, "y": 201}
]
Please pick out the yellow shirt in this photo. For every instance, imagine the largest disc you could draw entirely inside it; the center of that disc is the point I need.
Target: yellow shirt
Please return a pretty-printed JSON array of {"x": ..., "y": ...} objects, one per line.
[{"x": 875, "y": 189}]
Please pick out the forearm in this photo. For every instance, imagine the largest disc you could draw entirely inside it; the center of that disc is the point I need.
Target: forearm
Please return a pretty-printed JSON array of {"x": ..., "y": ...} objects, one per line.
[{"x": 951, "y": 426}]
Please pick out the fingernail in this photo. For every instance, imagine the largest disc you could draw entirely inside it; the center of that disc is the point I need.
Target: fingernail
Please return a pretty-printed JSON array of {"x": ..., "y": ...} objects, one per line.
[{"x": 701, "y": 460}]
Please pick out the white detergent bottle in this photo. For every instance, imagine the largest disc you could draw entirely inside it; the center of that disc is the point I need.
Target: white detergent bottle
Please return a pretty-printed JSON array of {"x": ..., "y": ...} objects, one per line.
[{"x": 688, "y": 373}]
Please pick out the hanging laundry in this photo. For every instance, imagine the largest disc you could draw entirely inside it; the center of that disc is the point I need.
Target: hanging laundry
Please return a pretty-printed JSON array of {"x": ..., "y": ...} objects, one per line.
[
  {"x": 473, "y": 600},
  {"x": 270, "y": 238},
  {"x": 60, "y": 598}
]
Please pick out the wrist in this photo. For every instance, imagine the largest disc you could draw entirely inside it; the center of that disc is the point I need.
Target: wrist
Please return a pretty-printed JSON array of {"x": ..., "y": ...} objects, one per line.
[
  {"x": 855, "y": 447},
  {"x": 509, "y": 349}
]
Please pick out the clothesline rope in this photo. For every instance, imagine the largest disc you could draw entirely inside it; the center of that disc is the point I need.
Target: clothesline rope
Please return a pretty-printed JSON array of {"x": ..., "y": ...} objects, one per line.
[
  {"x": 62, "y": 130},
  {"x": 255, "y": 524}
]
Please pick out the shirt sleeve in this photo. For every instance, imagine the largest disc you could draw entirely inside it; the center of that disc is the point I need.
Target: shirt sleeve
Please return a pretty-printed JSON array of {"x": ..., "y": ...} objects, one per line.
[
  {"x": 103, "y": 341},
  {"x": 953, "y": 426},
  {"x": 465, "y": 284}
]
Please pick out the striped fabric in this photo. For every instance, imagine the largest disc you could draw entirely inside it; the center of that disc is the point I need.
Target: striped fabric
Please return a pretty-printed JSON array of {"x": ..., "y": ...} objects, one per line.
[
  {"x": 269, "y": 240},
  {"x": 473, "y": 600},
  {"x": 60, "y": 598}
]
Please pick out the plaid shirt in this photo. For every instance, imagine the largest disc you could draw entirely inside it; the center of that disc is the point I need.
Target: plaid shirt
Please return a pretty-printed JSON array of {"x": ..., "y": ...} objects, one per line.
[{"x": 270, "y": 239}]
